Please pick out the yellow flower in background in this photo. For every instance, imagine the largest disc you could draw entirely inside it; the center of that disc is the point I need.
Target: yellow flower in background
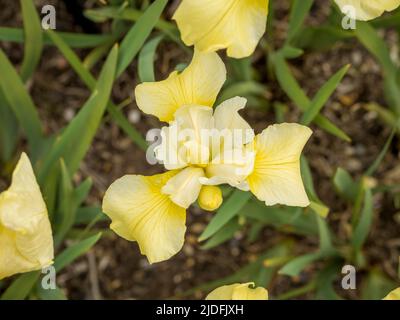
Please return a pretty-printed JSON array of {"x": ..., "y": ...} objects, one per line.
[
  {"x": 203, "y": 148},
  {"x": 211, "y": 25},
  {"x": 238, "y": 291},
  {"x": 393, "y": 295},
  {"x": 366, "y": 9},
  {"x": 26, "y": 241}
]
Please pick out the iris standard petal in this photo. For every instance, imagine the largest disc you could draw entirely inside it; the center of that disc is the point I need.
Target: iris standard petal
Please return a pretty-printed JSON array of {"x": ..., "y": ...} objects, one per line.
[
  {"x": 210, "y": 25},
  {"x": 198, "y": 84},
  {"x": 141, "y": 212},
  {"x": 26, "y": 240},
  {"x": 226, "y": 116},
  {"x": 366, "y": 9},
  {"x": 276, "y": 178},
  {"x": 238, "y": 291}
]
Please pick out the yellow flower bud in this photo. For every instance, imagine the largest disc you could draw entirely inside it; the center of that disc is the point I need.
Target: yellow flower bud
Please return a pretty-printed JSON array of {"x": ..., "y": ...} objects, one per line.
[{"x": 210, "y": 198}]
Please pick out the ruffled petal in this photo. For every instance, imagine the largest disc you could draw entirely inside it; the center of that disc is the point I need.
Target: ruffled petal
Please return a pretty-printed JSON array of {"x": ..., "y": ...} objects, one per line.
[
  {"x": 227, "y": 116},
  {"x": 184, "y": 188},
  {"x": 238, "y": 291},
  {"x": 210, "y": 25},
  {"x": 393, "y": 295},
  {"x": 186, "y": 140},
  {"x": 198, "y": 84},
  {"x": 276, "y": 178},
  {"x": 366, "y": 10},
  {"x": 231, "y": 166},
  {"x": 26, "y": 240},
  {"x": 141, "y": 212}
]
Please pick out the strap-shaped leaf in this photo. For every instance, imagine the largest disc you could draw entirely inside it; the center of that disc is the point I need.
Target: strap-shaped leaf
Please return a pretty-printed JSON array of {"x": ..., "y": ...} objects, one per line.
[
  {"x": 33, "y": 39},
  {"x": 20, "y": 102},
  {"x": 76, "y": 139}
]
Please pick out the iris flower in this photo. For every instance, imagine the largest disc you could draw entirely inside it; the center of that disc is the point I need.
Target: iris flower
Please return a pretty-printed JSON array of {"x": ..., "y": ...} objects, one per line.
[
  {"x": 393, "y": 295},
  {"x": 367, "y": 9},
  {"x": 152, "y": 210},
  {"x": 211, "y": 25},
  {"x": 26, "y": 240},
  {"x": 238, "y": 291}
]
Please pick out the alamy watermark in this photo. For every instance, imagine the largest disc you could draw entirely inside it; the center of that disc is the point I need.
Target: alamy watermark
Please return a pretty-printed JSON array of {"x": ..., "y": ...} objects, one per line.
[
  {"x": 49, "y": 18},
  {"x": 349, "y": 21}
]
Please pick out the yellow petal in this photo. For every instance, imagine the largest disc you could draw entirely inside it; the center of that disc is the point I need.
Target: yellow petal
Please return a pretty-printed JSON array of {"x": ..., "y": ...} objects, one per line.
[
  {"x": 394, "y": 295},
  {"x": 238, "y": 291},
  {"x": 26, "y": 240},
  {"x": 141, "y": 212},
  {"x": 198, "y": 84},
  {"x": 231, "y": 166},
  {"x": 210, "y": 25},
  {"x": 184, "y": 188},
  {"x": 366, "y": 10},
  {"x": 186, "y": 140},
  {"x": 227, "y": 116},
  {"x": 276, "y": 177},
  {"x": 170, "y": 151}
]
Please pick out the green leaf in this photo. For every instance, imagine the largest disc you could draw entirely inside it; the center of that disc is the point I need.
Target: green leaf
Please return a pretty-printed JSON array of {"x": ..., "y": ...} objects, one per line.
[
  {"x": 292, "y": 88},
  {"x": 325, "y": 242},
  {"x": 377, "y": 285},
  {"x": 364, "y": 224},
  {"x": 288, "y": 219},
  {"x": 76, "y": 139},
  {"x": 138, "y": 34},
  {"x": 131, "y": 14},
  {"x": 299, "y": 11},
  {"x": 73, "y": 59},
  {"x": 74, "y": 40},
  {"x": 90, "y": 81},
  {"x": 33, "y": 44},
  {"x": 20, "y": 102},
  {"x": 8, "y": 130},
  {"x": 50, "y": 294},
  {"x": 323, "y": 95},
  {"x": 224, "y": 234},
  {"x": 146, "y": 60},
  {"x": 368, "y": 36},
  {"x": 75, "y": 251},
  {"x": 21, "y": 287},
  {"x": 378, "y": 160},
  {"x": 325, "y": 288},
  {"x": 345, "y": 185},
  {"x": 228, "y": 210},
  {"x": 66, "y": 208},
  {"x": 294, "y": 267},
  {"x": 243, "y": 88},
  {"x": 85, "y": 215}
]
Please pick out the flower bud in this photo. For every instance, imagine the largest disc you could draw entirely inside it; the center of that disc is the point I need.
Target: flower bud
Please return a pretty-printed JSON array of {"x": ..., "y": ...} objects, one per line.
[{"x": 210, "y": 198}]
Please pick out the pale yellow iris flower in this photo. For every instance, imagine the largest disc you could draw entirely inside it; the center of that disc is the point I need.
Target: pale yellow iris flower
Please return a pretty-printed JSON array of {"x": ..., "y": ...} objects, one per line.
[
  {"x": 26, "y": 241},
  {"x": 238, "y": 291},
  {"x": 211, "y": 25},
  {"x": 393, "y": 295},
  {"x": 152, "y": 210},
  {"x": 366, "y": 9}
]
